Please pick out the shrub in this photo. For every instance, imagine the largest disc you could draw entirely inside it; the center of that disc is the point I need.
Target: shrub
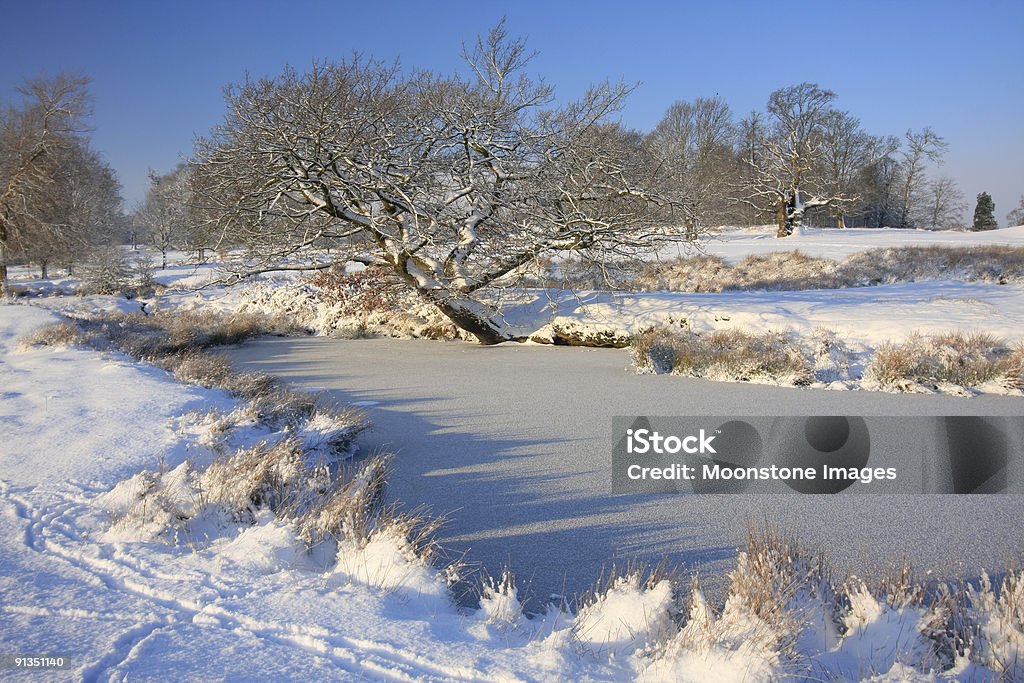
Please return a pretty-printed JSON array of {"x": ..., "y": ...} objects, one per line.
[
  {"x": 107, "y": 272},
  {"x": 55, "y": 334},
  {"x": 205, "y": 369},
  {"x": 655, "y": 350},
  {"x": 703, "y": 273},
  {"x": 731, "y": 355},
  {"x": 966, "y": 360},
  {"x": 361, "y": 293}
]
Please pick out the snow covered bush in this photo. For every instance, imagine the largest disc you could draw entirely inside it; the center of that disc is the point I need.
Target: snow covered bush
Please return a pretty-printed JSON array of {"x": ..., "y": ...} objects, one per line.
[
  {"x": 776, "y": 271},
  {"x": 701, "y": 273},
  {"x": 994, "y": 620},
  {"x": 107, "y": 272},
  {"x": 58, "y": 335},
  {"x": 499, "y": 601},
  {"x": 162, "y": 333},
  {"x": 730, "y": 355},
  {"x": 655, "y": 350},
  {"x": 910, "y": 264},
  {"x": 197, "y": 367},
  {"x": 779, "y": 607},
  {"x": 929, "y": 363}
]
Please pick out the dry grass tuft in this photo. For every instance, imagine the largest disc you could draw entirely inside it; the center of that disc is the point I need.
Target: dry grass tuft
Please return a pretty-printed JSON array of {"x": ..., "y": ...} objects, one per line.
[
  {"x": 57, "y": 335},
  {"x": 966, "y": 360},
  {"x": 731, "y": 355},
  {"x": 778, "y": 582}
]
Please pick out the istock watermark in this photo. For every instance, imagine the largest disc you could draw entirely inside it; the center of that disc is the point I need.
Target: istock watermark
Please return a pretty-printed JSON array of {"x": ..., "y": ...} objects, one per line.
[{"x": 818, "y": 454}]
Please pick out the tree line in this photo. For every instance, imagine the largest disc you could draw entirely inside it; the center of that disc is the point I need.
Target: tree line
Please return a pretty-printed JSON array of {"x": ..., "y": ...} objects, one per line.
[{"x": 58, "y": 197}]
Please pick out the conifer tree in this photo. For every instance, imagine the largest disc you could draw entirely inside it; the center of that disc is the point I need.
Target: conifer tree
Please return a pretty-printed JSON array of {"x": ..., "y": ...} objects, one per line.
[{"x": 984, "y": 213}]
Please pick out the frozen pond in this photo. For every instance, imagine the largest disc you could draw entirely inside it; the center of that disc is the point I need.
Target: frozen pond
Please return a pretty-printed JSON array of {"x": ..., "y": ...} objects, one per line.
[{"x": 513, "y": 443}]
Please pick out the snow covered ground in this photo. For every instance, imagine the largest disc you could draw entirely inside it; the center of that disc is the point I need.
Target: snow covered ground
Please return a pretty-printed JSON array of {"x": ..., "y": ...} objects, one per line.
[
  {"x": 864, "y": 316},
  {"x": 735, "y": 244}
]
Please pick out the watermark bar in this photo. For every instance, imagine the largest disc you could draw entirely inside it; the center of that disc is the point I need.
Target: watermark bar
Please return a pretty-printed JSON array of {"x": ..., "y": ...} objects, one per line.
[
  {"x": 34, "y": 662},
  {"x": 818, "y": 455}
]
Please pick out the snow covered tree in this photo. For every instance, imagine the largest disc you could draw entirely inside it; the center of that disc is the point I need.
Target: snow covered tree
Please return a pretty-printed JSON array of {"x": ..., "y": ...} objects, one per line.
[
  {"x": 77, "y": 209},
  {"x": 1016, "y": 217},
  {"x": 985, "y": 213},
  {"x": 453, "y": 183},
  {"x": 845, "y": 149},
  {"x": 785, "y": 161}
]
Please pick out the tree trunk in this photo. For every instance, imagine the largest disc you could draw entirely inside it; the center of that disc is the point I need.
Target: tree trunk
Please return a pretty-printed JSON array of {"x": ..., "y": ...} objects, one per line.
[
  {"x": 781, "y": 218},
  {"x": 5, "y": 285},
  {"x": 42, "y": 271},
  {"x": 469, "y": 315},
  {"x": 163, "y": 253}
]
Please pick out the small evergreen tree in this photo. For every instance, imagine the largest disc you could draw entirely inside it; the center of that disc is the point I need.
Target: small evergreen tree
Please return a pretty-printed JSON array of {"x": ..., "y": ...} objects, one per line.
[{"x": 985, "y": 213}]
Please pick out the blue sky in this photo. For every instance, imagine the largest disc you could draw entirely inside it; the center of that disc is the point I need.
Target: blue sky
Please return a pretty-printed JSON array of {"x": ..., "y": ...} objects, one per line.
[{"x": 159, "y": 68}]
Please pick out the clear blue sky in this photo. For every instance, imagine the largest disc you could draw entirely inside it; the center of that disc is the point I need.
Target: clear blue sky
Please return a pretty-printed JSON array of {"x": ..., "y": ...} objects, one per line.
[{"x": 159, "y": 68}]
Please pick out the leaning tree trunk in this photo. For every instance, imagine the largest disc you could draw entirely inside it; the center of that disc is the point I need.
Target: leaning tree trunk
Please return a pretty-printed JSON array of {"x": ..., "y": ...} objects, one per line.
[{"x": 469, "y": 315}]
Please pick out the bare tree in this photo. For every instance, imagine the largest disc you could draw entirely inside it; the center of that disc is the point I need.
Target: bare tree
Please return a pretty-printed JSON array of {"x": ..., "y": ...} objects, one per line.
[
  {"x": 921, "y": 148},
  {"x": 77, "y": 209},
  {"x": 695, "y": 140},
  {"x": 785, "y": 164},
  {"x": 33, "y": 137},
  {"x": 1016, "y": 217},
  {"x": 845, "y": 149},
  {"x": 453, "y": 183},
  {"x": 164, "y": 218},
  {"x": 946, "y": 204}
]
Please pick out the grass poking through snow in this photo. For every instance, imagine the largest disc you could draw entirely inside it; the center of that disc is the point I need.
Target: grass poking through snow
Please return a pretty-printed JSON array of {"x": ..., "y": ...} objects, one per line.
[
  {"x": 795, "y": 271},
  {"x": 925, "y": 363},
  {"x": 731, "y": 355}
]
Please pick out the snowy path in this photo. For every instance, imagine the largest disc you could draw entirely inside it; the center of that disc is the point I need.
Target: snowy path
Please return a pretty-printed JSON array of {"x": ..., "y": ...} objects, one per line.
[{"x": 513, "y": 441}]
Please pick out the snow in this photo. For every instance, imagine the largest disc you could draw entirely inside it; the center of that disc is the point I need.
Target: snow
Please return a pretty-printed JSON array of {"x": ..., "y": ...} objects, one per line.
[
  {"x": 866, "y": 315},
  {"x": 735, "y": 244}
]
